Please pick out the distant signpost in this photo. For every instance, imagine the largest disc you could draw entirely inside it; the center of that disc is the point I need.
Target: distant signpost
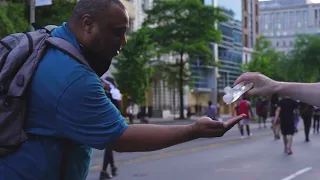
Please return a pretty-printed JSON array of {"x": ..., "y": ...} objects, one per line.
[
  {"x": 33, "y": 5},
  {"x": 43, "y": 2}
]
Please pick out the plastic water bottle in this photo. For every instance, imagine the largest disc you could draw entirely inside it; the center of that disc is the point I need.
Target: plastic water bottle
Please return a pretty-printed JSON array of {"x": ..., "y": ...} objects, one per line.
[{"x": 233, "y": 94}]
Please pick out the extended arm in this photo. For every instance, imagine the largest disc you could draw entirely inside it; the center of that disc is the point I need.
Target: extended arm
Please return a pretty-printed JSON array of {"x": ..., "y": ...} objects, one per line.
[
  {"x": 153, "y": 137},
  {"x": 148, "y": 137},
  {"x": 305, "y": 92}
]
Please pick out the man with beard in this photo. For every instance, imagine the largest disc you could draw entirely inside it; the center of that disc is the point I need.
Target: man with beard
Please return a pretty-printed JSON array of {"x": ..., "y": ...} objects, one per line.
[{"x": 69, "y": 112}]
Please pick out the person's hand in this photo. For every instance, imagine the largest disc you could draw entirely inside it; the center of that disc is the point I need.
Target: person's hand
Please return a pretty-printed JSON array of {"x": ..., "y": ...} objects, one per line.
[
  {"x": 263, "y": 85},
  {"x": 206, "y": 127}
]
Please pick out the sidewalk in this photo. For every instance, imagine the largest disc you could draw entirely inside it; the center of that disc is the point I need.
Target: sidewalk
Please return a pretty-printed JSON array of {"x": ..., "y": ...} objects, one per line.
[{"x": 192, "y": 118}]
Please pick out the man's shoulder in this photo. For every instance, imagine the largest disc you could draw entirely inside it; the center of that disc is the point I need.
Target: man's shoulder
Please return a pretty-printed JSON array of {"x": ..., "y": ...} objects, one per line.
[
  {"x": 58, "y": 62},
  {"x": 57, "y": 71}
]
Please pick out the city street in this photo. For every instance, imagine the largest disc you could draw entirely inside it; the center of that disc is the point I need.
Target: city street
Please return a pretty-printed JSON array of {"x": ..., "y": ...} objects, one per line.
[{"x": 226, "y": 158}]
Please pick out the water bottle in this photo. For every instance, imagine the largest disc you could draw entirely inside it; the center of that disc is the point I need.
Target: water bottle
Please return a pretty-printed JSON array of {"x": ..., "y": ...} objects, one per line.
[{"x": 233, "y": 94}]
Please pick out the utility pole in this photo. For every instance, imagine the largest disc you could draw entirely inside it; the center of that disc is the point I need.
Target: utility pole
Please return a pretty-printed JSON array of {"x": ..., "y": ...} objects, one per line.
[{"x": 32, "y": 13}]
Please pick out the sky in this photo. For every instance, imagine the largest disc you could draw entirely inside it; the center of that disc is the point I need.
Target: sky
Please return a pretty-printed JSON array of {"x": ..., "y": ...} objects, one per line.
[{"x": 235, "y": 5}]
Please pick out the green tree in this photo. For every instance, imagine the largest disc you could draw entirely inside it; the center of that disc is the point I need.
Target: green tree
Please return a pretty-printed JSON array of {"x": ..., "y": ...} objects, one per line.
[
  {"x": 266, "y": 60},
  {"x": 55, "y": 14},
  {"x": 5, "y": 24},
  {"x": 303, "y": 62},
  {"x": 15, "y": 12},
  {"x": 184, "y": 29},
  {"x": 133, "y": 71},
  {"x": 12, "y": 18}
]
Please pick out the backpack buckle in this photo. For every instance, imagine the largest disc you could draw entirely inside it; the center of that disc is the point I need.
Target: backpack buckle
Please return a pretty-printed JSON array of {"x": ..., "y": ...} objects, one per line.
[
  {"x": 6, "y": 102},
  {"x": 1, "y": 88}
]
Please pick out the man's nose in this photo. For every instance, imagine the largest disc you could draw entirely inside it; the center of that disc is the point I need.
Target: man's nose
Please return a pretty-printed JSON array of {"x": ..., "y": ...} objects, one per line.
[{"x": 123, "y": 40}]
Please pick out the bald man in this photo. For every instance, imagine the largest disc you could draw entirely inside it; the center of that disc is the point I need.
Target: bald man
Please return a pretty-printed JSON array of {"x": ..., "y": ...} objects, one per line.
[{"x": 69, "y": 112}]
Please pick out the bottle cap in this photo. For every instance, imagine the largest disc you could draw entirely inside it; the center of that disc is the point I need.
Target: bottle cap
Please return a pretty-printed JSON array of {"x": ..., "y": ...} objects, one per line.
[{"x": 236, "y": 92}]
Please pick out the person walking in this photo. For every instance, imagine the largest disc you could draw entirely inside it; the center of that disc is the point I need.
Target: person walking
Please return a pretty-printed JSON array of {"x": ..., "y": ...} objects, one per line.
[
  {"x": 113, "y": 93},
  {"x": 285, "y": 112},
  {"x": 316, "y": 120},
  {"x": 261, "y": 111},
  {"x": 306, "y": 112},
  {"x": 244, "y": 107},
  {"x": 211, "y": 111},
  {"x": 275, "y": 122}
]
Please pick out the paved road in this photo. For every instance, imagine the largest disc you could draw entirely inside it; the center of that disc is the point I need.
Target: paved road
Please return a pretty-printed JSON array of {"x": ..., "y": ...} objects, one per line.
[{"x": 226, "y": 158}]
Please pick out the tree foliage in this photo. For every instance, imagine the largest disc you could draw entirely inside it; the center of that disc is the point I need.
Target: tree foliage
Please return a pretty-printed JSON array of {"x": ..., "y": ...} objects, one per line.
[
  {"x": 14, "y": 15},
  {"x": 299, "y": 65},
  {"x": 55, "y": 14},
  {"x": 183, "y": 29},
  {"x": 12, "y": 18},
  {"x": 304, "y": 61},
  {"x": 265, "y": 59},
  {"x": 133, "y": 71}
]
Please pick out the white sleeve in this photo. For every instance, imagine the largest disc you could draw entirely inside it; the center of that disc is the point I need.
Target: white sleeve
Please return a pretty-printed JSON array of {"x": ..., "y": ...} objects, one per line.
[{"x": 115, "y": 93}]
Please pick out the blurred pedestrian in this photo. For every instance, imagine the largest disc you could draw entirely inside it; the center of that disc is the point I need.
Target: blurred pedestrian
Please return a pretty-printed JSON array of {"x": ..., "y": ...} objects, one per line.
[
  {"x": 261, "y": 110},
  {"x": 113, "y": 93},
  {"x": 275, "y": 122},
  {"x": 285, "y": 112},
  {"x": 211, "y": 110},
  {"x": 316, "y": 119},
  {"x": 306, "y": 112},
  {"x": 244, "y": 107}
]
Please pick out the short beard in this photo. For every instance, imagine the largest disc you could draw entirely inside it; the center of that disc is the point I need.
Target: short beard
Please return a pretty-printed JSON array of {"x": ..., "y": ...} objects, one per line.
[
  {"x": 100, "y": 67},
  {"x": 98, "y": 64}
]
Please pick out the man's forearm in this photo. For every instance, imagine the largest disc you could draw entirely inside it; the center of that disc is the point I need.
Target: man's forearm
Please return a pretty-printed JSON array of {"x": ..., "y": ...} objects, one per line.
[
  {"x": 305, "y": 92},
  {"x": 147, "y": 137}
]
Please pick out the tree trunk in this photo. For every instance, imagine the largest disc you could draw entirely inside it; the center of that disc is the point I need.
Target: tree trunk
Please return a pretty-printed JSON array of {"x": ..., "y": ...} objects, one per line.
[{"x": 181, "y": 87}]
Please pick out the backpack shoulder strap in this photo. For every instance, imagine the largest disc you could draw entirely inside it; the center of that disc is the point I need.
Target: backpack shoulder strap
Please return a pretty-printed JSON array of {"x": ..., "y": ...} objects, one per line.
[{"x": 67, "y": 48}]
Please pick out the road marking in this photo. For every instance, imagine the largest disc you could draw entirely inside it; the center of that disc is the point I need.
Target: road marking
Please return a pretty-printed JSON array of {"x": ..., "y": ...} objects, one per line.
[
  {"x": 298, "y": 173},
  {"x": 163, "y": 155}
]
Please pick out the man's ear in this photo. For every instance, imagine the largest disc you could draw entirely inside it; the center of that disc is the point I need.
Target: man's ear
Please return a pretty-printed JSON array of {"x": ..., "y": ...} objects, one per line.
[{"x": 87, "y": 23}]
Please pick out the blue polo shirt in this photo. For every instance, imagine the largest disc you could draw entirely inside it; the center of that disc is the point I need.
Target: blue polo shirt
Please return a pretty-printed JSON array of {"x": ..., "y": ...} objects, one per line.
[{"x": 66, "y": 101}]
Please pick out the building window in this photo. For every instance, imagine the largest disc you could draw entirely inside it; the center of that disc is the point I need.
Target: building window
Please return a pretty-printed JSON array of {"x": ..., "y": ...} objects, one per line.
[
  {"x": 298, "y": 19},
  {"x": 245, "y": 22},
  {"x": 277, "y": 44},
  {"x": 315, "y": 16},
  {"x": 284, "y": 44},
  {"x": 285, "y": 20},
  {"x": 257, "y": 10},
  {"x": 272, "y": 26},
  {"x": 257, "y": 28},
  {"x": 278, "y": 16},
  {"x": 260, "y": 22},
  {"x": 246, "y": 40},
  {"x": 305, "y": 18},
  {"x": 291, "y": 19},
  {"x": 245, "y": 5}
]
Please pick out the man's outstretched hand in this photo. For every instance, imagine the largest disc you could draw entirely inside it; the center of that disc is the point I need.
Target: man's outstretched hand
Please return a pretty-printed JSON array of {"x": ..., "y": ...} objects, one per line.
[{"x": 206, "y": 127}]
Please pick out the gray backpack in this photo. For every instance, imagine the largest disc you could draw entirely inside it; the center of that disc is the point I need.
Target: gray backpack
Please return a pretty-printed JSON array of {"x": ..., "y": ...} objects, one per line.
[{"x": 20, "y": 55}]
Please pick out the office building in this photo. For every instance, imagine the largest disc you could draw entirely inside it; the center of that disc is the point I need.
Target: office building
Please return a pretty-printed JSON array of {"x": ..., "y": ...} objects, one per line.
[
  {"x": 210, "y": 81},
  {"x": 282, "y": 20},
  {"x": 250, "y": 27}
]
